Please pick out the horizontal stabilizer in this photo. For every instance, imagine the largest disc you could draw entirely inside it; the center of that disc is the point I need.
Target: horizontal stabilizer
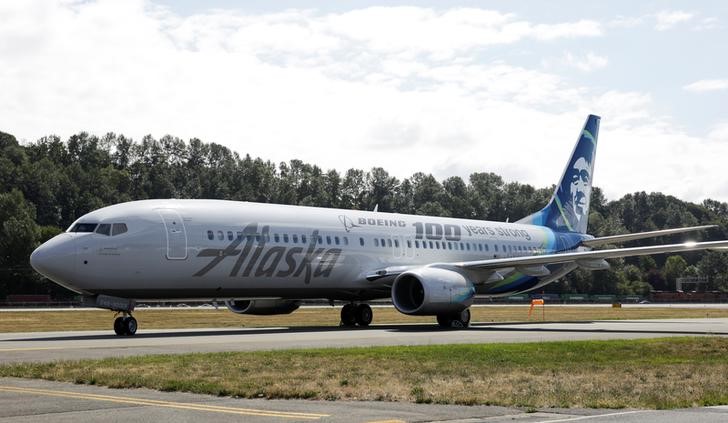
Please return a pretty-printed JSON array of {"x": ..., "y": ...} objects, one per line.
[{"x": 617, "y": 239}]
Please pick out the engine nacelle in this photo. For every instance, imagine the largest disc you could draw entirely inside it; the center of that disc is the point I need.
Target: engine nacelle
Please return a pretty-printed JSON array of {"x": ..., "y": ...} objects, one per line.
[
  {"x": 430, "y": 291},
  {"x": 262, "y": 307}
]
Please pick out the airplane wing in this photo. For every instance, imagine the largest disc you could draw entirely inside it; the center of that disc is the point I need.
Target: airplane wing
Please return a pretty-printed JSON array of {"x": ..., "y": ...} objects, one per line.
[
  {"x": 534, "y": 264},
  {"x": 616, "y": 239},
  {"x": 499, "y": 263}
]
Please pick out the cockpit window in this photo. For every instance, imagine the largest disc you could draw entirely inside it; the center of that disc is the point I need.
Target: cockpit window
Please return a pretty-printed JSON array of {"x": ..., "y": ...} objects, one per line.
[
  {"x": 84, "y": 227},
  {"x": 104, "y": 229},
  {"x": 118, "y": 228}
]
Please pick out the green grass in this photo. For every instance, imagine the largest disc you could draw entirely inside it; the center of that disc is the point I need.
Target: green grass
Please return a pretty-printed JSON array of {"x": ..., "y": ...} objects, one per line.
[{"x": 655, "y": 373}]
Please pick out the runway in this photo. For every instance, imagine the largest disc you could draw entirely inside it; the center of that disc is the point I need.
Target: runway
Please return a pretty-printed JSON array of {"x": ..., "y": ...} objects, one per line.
[
  {"x": 47, "y": 346},
  {"x": 44, "y": 401}
]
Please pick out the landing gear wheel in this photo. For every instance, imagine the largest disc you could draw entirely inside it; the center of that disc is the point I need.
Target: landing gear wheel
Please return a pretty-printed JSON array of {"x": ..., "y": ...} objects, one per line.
[
  {"x": 125, "y": 326},
  {"x": 119, "y": 326},
  {"x": 459, "y": 320},
  {"x": 364, "y": 315},
  {"x": 130, "y": 326},
  {"x": 444, "y": 320},
  {"x": 348, "y": 315}
]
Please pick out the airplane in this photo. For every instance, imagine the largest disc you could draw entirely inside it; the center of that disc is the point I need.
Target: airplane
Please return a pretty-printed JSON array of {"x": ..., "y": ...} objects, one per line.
[{"x": 264, "y": 259}]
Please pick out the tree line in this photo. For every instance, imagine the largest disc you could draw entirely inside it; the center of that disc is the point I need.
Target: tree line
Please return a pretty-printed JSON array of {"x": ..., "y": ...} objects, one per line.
[{"x": 47, "y": 184}]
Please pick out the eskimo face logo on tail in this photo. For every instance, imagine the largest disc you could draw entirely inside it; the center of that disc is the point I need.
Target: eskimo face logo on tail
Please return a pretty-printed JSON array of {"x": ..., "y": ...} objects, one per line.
[
  {"x": 295, "y": 261},
  {"x": 580, "y": 187}
]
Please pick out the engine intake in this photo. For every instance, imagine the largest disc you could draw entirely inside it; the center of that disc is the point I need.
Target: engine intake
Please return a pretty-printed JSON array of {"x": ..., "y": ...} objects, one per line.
[
  {"x": 262, "y": 307},
  {"x": 431, "y": 291}
]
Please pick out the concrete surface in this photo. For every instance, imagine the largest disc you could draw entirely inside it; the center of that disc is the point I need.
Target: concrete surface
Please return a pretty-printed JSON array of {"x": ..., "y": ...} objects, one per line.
[
  {"x": 43, "y": 401},
  {"x": 45, "y": 346}
]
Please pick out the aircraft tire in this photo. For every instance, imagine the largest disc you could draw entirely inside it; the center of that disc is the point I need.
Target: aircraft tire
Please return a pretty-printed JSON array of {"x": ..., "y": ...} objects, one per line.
[
  {"x": 462, "y": 319},
  {"x": 454, "y": 321},
  {"x": 444, "y": 320},
  {"x": 119, "y": 326},
  {"x": 130, "y": 326},
  {"x": 348, "y": 315},
  {"x": 364, "y": 315}
]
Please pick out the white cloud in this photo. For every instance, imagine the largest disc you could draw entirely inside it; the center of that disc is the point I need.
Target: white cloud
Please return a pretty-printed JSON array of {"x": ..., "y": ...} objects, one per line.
[
  {"x": 667, "y": 19},
  {"x": 405, "y": 88},
  {"x": 626, "y": 22},
  {"x": 705, "y": 85},
  {"x": 586, "y": 63},
  {"x": 719, "y": 133}
]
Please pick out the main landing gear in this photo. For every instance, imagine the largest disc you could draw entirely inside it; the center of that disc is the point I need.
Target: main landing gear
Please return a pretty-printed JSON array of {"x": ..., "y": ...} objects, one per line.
[
  {"x": 356, "y": 315},
  {"x": 455, "y": 320},
  {"x": 125, "y": 325}
]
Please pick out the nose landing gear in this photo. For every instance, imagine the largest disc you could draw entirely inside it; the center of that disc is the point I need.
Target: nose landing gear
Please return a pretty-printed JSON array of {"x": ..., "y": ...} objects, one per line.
[{"x": 125, "y": 325}]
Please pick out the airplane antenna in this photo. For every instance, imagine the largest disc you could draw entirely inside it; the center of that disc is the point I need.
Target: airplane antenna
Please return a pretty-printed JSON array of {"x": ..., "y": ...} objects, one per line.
[{"x": 376, "y": 207}]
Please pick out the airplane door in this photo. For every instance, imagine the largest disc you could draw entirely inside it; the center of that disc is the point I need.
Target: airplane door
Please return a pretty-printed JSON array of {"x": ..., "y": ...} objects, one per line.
[{"x": 176, "y": 235}]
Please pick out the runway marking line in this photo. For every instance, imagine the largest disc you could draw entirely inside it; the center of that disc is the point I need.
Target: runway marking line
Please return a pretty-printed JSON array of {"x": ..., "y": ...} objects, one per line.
[
  {"x": 36, "y": 349},
  {"x": 596, "y": 416},
  {"x": 165, "y": 404}
]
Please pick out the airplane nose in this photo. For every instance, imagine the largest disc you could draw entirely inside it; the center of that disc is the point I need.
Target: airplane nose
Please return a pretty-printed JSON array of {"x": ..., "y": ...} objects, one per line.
[{"x": 56, "y": 258}]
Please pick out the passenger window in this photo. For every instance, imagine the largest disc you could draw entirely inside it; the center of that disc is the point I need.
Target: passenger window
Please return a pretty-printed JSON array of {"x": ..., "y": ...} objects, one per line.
[
  {"x": 104, "y": 229},
  {"x": 320, "y": 239},
  {"x": 449, "y": 245},
  {"x": 389, "y": 242},
  {"x": 417, "y": 244},
  {"x": 381, "y": 240},
  {"x": 210, "y": 235},
  {"x": 303, "y": 239},
  {"x": 230, "y": 235},
  {"x": 285, "y": 238},
  {"x": 424, "y": 244},
  {"x": 240, "y": 235},
  {"x": 376, "y": 242},
  {"x": 328, "y": 239},
  {"x": 295, "y": 238},
  {"x": 336, "y": 240},
  {"x": 346, "y": 241},
  {"x": 467, "y": 245},
  {"x": 486, "y": 247},
  {"x": 361, "y": 241},
  {"x": 220, "y": 235},
  {"x": 276, "y": 238},
  {"x": 432, "y": 247},
  {"x": 409, "y": 244},
  {"x": 396, "y": 243}
]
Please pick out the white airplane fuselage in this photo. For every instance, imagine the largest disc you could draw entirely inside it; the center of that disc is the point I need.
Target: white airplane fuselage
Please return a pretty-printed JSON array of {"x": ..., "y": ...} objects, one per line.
[{"x": 208, "y": 249}]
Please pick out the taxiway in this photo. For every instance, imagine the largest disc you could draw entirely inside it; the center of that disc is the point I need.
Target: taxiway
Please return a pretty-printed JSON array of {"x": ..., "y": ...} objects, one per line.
[{"x": 47, "y": 346}]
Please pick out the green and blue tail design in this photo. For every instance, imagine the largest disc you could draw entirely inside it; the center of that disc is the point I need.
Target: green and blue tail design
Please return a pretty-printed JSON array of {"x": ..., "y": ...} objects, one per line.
[{"x": 568, "y": 210}]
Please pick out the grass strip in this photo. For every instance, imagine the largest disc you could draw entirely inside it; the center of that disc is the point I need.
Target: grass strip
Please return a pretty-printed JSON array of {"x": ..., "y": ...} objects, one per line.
[
  {"x": 653, "y": 373},
  {"x": 36, "y": 321}
]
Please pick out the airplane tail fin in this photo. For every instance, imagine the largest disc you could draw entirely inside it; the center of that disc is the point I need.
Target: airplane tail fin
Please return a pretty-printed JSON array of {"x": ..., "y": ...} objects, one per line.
[{"x": 568, "y": 210}]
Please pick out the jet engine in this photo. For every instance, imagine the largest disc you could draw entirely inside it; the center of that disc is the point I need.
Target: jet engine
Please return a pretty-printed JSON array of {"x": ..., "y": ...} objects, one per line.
[
  {"x": 262, "y": 307},
  {"x": 429, "y": 291}
]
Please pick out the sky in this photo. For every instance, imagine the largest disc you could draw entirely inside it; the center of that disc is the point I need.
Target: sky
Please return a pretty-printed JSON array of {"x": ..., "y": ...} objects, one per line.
[{"x": 447, "y": 88}]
